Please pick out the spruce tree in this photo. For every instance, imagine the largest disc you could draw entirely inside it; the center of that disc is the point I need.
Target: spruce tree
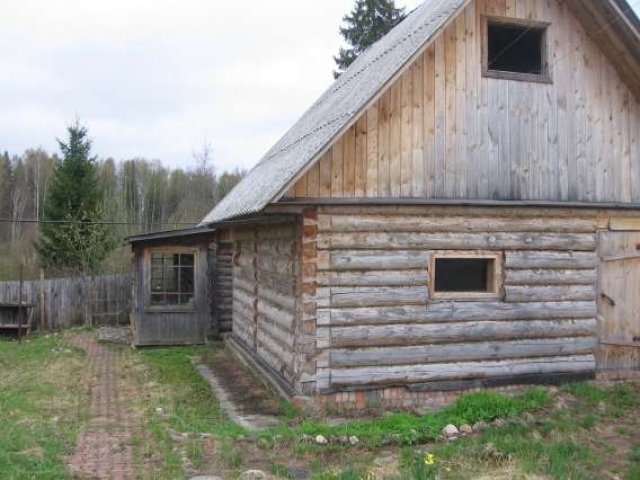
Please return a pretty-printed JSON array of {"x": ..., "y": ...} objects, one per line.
[
  {"x": 70, "y": 238},
  {"x": 369, "y": 21}
]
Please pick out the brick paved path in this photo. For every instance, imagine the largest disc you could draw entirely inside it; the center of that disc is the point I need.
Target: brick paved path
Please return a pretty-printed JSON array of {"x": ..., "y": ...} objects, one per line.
[{"x": 104, "y": 450}]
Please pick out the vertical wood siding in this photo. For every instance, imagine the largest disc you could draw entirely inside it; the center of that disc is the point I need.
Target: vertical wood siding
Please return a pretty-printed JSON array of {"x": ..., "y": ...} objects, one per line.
[
  {"x": 444, "y": 131},
  {"x": 373, "y": 301},
  {"x": 71, "y": 301}
]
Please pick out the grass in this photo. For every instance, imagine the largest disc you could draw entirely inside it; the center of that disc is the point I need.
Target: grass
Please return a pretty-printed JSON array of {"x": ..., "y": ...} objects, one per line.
[
  {"x": 407, "y": 429},
  {"x": 185, "y": 399},
  {"x": 42, "y": 407},
  {"x": 582, "y": 431}
]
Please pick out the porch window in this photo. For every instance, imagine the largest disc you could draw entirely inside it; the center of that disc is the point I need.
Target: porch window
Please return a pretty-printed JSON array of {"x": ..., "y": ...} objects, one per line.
[
  {"x": 172, "y": 279},
  {"x": 465, "y": 275}
]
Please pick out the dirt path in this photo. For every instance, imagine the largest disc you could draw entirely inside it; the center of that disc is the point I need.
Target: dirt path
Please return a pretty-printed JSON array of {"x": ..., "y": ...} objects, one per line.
[{"x": 105, "y": 449}]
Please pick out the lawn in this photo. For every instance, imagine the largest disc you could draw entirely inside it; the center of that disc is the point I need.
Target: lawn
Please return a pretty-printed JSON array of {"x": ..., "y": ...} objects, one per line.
[{"x": 580, "y": 431}]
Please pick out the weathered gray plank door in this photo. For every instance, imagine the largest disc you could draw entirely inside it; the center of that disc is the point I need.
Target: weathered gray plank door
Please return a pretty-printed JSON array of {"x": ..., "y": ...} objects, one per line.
[{"x": 619, "y": 301}]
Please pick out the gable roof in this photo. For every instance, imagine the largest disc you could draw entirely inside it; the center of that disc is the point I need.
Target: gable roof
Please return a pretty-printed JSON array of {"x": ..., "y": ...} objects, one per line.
[{"x": 341, "y": 105}]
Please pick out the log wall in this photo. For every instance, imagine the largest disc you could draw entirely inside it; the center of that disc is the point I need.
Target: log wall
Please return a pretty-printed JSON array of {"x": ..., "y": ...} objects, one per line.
[
  {"x": 443, "y": 130},
  {"x": 377, "y": 325},
  {"x": 265, "y": 290},
  {"x": 220, "y": 276}
]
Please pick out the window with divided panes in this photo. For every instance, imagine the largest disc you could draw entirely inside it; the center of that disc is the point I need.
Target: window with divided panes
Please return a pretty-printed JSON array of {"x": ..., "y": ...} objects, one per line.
[{"x": 172, "y": 279}]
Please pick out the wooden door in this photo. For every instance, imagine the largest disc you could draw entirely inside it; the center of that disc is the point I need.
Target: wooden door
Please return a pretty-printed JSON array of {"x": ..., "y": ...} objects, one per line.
[{"x": 619, "y": 301}]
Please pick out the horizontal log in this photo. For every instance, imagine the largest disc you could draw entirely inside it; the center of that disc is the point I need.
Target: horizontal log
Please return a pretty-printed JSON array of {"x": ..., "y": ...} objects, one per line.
[
  {"x": 426, "y": 223},
  {"x": 460, "y": 332},
  {"x": 269, "y": 332},
  {"x": 460, "y": 352},
  {"x": 461, "y": 370},
  {"x": 377, "y": 296},
  {"x": 275, "y": 314},
  {"x": 461, "y": 241},
  {"x": 461, "y": 312},
  {"x": 550, "y": 276},
  {"x": 555, "y": 293},
  {"x": 565, "y": 260},
  {"x": 286, "y": 301},
  {"x": 373, "y": 278},
  {"x": 373, "y": 260}
]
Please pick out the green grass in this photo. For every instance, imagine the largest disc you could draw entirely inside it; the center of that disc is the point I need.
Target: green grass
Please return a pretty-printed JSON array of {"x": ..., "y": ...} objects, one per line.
[
  {"x": 186, "y": 399},
  {"x": 42, "y": 407},
  {"x": 408, "y": 429}
]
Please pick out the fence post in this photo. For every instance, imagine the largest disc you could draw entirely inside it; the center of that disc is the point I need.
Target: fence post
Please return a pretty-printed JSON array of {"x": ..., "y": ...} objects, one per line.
[{"x": 43, "y": 321}]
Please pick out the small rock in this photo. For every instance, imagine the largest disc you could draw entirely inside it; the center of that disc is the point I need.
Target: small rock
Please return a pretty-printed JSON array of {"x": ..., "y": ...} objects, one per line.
[
  {"x": 342, "y": 440},
  {"x": 205, "y": 477},
  {"x": 353, "y": 440},
  {"x": 450, "y": 431},
  {"x": 466, "y": 429},
  {"x": 253, "y": 475},
  {"x": 498, "y": 423},
  {"x": 479, "y": 427},
  {"x": 158, "y": 410},
  {"x": 321, "y": 440}
]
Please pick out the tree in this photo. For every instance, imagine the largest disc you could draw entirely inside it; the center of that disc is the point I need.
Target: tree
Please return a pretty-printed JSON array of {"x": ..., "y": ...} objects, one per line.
[
  {"x": 70, "y": 237},
  {"x": 367, "y": 23}
]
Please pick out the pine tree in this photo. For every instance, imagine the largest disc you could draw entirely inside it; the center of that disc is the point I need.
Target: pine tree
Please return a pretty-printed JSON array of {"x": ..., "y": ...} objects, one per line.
[
  {"x": 70, "y": 239},
  {"x": 369, "y": 21}
]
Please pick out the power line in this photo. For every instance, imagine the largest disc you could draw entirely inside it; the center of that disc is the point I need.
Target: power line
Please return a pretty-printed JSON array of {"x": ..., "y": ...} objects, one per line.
[{"x": 81, "y": 222}]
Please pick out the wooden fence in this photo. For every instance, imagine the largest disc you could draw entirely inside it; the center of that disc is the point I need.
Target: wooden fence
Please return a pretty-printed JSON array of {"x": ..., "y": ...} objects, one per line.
[{"x": 103, "y": 300}]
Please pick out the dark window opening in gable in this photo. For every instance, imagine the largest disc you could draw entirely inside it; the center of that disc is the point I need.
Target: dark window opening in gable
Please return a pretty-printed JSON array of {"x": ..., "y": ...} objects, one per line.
[
  {"x": 516, "y": 48},
  {"x": 472, "y": 275}
]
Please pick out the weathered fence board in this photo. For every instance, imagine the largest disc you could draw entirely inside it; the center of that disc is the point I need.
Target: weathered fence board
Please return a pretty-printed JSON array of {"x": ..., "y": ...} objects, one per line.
[{"x": 102, "y": 300}]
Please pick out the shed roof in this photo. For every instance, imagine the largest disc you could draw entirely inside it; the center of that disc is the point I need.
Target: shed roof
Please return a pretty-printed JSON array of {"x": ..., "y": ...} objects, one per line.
[{"x": 340, "y": 106}]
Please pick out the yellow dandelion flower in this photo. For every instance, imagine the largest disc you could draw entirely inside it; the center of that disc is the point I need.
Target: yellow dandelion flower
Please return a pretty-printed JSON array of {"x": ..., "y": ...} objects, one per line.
[{"x": 430, "y": 459}]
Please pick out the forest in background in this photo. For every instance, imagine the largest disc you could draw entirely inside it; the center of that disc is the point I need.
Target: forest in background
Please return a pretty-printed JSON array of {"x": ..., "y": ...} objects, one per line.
[{"x": 140, "y": 195}]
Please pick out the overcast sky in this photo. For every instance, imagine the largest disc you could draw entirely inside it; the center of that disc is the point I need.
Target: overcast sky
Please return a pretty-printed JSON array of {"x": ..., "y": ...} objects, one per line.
[{"x": 160, "y": 78}]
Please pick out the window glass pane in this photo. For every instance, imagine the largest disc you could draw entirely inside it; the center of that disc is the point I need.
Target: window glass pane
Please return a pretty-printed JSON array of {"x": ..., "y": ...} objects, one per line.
[
  {"x": 515, "y": 48},
  {"x": 186, "y": 280},
  {"x": 463, "y": 274},
  {"x": 186, "y": 299},
  {"x": 157, "y": 285},
  {"x": 157, "y": 299},
  {"x": 173, "y": 299},
  {"x": 186, "y": 260}
]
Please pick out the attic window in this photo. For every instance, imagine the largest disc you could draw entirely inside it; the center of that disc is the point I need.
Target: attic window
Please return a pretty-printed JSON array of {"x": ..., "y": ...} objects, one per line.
[
  {"x": 516, "y": 50},
  {"x": 465, "y": 275}
]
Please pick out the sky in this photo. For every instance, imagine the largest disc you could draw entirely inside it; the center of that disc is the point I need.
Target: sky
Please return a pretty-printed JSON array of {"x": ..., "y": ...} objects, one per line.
[{"x": 160, "y": 79}]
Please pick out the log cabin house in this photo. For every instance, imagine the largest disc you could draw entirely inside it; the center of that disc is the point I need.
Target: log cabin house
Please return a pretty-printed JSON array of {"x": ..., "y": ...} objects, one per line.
[{"x": 460, "y": 209}]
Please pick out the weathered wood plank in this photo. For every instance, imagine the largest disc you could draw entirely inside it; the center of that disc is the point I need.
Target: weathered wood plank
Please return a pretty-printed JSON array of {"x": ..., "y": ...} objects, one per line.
[
  {"x": 462, "y": 312},
  {"x": 547, "y": 260},
  {"x": 373, "y": 278},
  {"x": 550, "y": 277},
  {"x": 453, "y": 241},
  {"x": 555, "y": 293},
  {"x": 461, "y": 370},
  {"x": 461, "y": 352},
  {"x": 415, "y": 334},
  {"x": 458, "y": 223},
  {"x": 375, "y": 260}
]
